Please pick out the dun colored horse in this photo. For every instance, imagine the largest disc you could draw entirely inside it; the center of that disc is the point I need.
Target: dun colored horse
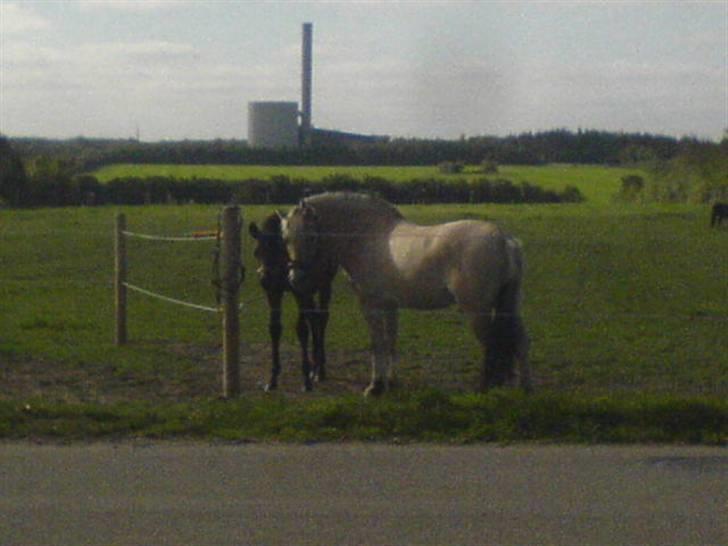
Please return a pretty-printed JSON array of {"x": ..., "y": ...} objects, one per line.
[
  {"x": 270, "y": 252},
  {"x": 394, "y": 263},
  {"x": 719, "y": 211}
]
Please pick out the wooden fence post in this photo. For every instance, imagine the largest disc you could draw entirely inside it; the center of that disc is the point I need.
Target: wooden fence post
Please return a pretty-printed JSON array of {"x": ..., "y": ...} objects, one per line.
[
  {"x": 120, "y": 268},
  {"x": 231, "y": 278}
]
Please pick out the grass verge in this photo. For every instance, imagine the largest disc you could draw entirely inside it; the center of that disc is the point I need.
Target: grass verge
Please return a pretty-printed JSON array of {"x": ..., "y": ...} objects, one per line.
[{"x": 422, "y": 416}]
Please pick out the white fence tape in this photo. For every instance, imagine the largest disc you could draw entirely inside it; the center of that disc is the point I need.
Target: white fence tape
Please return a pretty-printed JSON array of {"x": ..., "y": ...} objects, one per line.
[
  {"x": 171, "y": 239},
  {"x": 171, "y": 300}
]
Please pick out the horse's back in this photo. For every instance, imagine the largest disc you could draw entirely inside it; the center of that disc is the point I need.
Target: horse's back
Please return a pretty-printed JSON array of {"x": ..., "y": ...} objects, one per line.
[
  {"x": 462, "y": 261},
  {"x": 413, "y": 246}
]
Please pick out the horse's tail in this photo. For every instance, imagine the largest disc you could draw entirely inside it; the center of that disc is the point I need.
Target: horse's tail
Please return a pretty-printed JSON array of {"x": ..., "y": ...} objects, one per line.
[{"x": 509, "y": 340}]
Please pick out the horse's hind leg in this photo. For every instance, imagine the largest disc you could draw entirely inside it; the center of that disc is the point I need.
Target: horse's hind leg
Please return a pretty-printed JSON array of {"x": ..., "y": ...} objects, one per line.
[
  {"x": 523, "y": 344},
  {"x": 377, "y": 321},
  {"x": 392, "y": 330}
]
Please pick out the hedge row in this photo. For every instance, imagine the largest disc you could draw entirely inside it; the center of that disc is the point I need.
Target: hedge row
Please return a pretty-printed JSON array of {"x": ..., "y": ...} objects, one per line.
[{"x": 86, "y": 190}]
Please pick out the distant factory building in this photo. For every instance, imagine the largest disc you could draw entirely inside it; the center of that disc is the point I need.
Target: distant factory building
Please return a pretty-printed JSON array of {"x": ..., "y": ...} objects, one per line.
[{"x": 280, "y": 124}]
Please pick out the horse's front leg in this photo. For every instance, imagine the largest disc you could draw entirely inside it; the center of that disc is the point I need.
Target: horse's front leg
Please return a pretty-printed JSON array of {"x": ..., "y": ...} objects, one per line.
[
  {"x": 377, "y": 322},
  {"x": 275, "y": 329},
  {"x": 319, "y": 338},
  {"x": 305, "y": 308}
]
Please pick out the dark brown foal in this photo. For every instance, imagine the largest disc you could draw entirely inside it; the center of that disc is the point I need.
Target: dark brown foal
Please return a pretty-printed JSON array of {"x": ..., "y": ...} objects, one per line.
[{"x": 313, "y": 316}]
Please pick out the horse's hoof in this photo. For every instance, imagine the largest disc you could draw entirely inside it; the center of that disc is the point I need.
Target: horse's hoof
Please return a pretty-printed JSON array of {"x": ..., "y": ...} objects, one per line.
[
  {"x": 317, "y": 375},
  {"x": 375, "y": 389},
  {"x": 270, "y": 387},
  {"x": 307, "y": 387}
]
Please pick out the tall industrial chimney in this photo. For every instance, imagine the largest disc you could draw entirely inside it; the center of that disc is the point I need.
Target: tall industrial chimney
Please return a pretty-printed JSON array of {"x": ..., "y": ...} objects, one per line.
[{"x": 307, "y": 62}]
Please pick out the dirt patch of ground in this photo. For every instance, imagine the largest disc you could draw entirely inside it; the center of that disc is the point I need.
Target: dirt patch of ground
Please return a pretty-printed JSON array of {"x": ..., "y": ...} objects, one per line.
[{"x": 199, "y": 375}]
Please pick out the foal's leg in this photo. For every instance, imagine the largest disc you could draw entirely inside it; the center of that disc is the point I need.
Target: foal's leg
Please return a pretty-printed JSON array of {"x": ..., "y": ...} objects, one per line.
[
  {"x": 275, "y": 328},
  {"x": 376, "y": 319},
  {"x": 305, "y": 309}
]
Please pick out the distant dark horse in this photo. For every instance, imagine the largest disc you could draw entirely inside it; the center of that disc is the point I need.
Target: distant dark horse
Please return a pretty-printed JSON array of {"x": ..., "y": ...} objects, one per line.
[
  {"x": 720, "y": 211},
  {"x": 270, "y": 252}
]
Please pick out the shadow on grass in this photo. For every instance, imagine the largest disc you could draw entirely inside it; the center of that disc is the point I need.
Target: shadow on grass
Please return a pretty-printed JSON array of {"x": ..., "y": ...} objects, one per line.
[{"x": 423, "y": 416}]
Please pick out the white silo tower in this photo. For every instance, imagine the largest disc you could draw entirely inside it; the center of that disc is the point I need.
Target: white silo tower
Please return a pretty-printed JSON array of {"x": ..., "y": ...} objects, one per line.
[{"x": 273, "y": 124}]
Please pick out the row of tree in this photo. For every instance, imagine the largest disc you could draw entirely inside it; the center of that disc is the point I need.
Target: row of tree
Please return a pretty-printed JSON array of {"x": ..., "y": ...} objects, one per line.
[
  {"x": 49, "y": 173},
  {"x": 559, "y": 146}
]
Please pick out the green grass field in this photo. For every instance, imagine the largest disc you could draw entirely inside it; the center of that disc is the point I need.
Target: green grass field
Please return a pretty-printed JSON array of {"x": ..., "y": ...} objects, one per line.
[
  {"x": 597, "y": 183},
  {"x": 627, "y": 307}
]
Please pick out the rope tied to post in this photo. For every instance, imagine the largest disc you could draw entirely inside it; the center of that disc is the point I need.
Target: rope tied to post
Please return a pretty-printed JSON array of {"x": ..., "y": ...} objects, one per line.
[
  {"x": 218, "y": 282},
  {"x": 226, "y": 255}
]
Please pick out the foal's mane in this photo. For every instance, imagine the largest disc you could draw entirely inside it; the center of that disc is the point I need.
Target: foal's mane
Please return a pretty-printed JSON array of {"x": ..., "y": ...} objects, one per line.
[{"x": 272, "y": 223}]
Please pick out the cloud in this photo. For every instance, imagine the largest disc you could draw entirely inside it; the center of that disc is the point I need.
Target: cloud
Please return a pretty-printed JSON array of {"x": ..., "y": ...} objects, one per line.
[
  {"x": 17, "y": 19},
  {"x": 93, "y": 84},
  {"x": 130, "y": 5},
  {"x": 627, "y": 80},
  {"x": 93, "y": 65},
  {"x": 104, "y": 89},
  {"x": 670, "y": 97},
  {"x": 153, "y": 51}
]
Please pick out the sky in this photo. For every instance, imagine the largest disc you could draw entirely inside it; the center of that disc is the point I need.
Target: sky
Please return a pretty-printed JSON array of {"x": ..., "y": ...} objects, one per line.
[{"x": 184, "y": 69}]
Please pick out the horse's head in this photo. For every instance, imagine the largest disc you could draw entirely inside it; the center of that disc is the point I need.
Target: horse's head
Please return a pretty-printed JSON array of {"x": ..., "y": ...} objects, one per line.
[
  {"x": 270, "y": 252},
  {"x": 300, "y": 231}
]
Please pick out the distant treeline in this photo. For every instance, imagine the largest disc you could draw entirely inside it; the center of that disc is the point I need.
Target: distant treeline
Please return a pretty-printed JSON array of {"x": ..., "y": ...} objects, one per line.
[
  {"x": 50, "y": 173},
  {"x": 86, "y": 190},
  {"x": 559, "y": 146}
]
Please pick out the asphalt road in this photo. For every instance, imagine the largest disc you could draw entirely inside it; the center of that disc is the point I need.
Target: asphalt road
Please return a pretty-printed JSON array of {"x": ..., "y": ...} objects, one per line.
[{"x": 203, "y": 494}]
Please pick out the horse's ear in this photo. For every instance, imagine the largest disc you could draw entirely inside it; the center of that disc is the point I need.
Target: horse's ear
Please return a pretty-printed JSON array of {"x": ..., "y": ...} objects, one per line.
[{"x": 254, "y": 231}]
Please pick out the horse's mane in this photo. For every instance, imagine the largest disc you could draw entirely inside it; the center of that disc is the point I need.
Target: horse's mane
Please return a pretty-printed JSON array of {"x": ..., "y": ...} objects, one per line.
[{"x": 356, "y": 203}]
